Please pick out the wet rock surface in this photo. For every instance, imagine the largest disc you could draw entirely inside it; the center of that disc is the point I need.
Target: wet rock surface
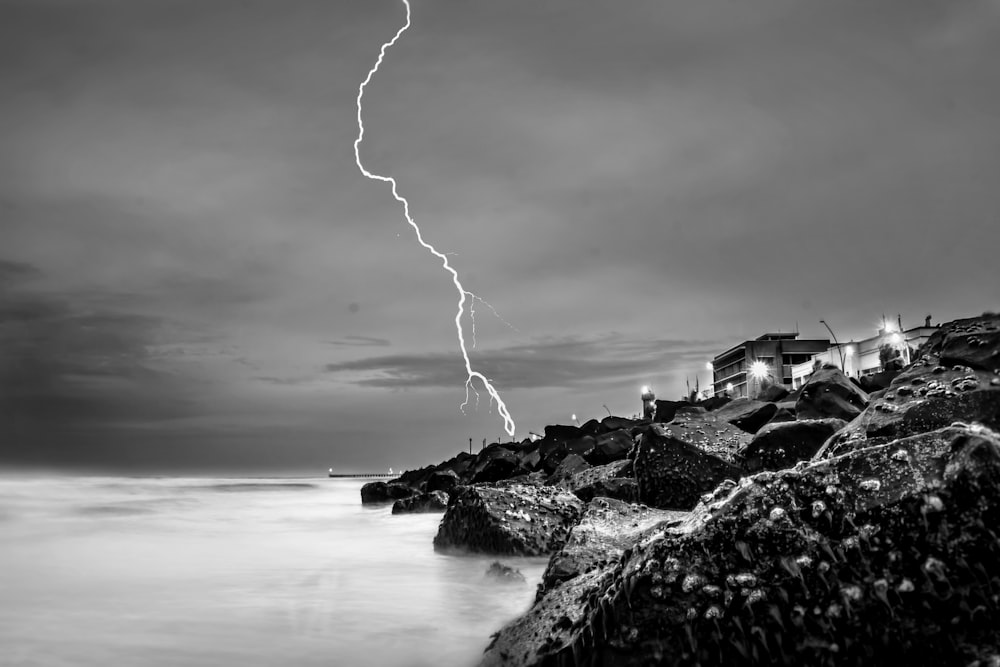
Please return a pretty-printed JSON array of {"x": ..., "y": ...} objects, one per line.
[
  {"x": 514, "y": 519},
  {"x": 504, "y": 574},
  {"x": 876, "y": 557},
  {"x": 607, "y": 528},
  {"x": 385, "y": 492},
  {"x": 746, "y": 414},
  {"x": 881, "y": 549},
  {"x": 614, "y": 480},
  {"x": 829, "y": 393},
  {"x": 783, "y": 444},
  {"x": 434, "y": 501},
  {"x": 678, "y": 462}
]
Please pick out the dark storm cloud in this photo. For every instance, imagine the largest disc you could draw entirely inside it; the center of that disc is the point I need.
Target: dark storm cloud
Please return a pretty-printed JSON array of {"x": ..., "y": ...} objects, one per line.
[
  {"x": 361, "y": 341},
  {"x": 65, "y": 365},
  {"x": 16, "y": 272},
  {"x": 561, "y": 363}
]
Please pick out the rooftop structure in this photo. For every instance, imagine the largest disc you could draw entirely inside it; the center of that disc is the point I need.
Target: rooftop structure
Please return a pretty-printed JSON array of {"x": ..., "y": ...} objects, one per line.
[{"x": 745, "y": 369}]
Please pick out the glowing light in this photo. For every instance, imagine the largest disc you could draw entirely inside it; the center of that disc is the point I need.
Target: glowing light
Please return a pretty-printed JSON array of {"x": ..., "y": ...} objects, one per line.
[
  {"x": 645, "y": 389},
  {"x": 709, "y": 366},
  {"x": 889, "y": 327},
  {"x": 759, "y": 370},
  {"x": 849, "y": 351},
  {"x": 471, "y": 374},
  {"x": 896, "y": 339},
  {"x": 729, "y": 386}
]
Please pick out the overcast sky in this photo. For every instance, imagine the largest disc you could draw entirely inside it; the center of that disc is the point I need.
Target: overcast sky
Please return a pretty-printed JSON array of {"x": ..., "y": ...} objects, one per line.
[{"x": 194, "y": 275}]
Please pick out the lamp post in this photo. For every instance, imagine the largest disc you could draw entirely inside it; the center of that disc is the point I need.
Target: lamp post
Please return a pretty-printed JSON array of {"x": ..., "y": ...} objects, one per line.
[{"x": 823, "y": 322}]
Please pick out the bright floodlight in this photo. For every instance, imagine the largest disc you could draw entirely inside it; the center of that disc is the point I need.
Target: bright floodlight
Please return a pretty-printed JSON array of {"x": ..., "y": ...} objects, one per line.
[
  {"x": 849, "y": 351},
  {"x": 729, "y": 386},
  {"x": 709, "y": 366},
  {"x": 758, "y": 369},
  {"x": 890, "y": 327},
  {"x": 574, "y": 417},
  {"x": 896, "y": 339},
  {"x": 645, "y": 389}
]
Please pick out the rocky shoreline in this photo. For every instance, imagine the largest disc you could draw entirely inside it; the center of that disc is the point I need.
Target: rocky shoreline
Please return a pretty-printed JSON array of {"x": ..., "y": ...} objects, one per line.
[{"x": 828, "y": 526}]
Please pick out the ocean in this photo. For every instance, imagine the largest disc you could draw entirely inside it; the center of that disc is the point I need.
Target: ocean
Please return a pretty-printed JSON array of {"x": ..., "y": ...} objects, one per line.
[{"x": 208, "y": 572}]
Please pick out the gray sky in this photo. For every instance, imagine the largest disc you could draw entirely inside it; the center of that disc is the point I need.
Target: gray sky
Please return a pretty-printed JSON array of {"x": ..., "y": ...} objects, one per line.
[{"x": 195, "y": 276}]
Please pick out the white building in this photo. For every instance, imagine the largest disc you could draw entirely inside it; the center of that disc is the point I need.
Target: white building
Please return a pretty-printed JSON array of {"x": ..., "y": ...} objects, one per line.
[{"x": 859, "y": 358}]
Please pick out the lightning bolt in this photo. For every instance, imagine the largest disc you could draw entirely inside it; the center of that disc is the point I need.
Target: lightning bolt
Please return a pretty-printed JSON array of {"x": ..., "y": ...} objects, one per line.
[{"x": 471, "y": 374}]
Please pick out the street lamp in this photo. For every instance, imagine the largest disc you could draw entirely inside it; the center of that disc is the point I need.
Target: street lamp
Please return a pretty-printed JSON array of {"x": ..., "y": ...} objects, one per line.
[{"x": 823, "y": 322}]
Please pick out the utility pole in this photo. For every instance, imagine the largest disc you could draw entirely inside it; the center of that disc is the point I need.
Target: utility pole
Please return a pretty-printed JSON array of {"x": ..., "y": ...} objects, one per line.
[{"x": 470, "y": 445}]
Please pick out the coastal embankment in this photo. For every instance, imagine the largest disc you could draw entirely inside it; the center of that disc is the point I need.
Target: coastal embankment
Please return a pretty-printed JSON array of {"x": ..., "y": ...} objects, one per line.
[{"x": 839, "y": 524}]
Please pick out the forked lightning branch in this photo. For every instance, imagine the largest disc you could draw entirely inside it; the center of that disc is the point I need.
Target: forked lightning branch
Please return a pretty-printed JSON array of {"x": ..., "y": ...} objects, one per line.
[{"x": 471, "y": 374}]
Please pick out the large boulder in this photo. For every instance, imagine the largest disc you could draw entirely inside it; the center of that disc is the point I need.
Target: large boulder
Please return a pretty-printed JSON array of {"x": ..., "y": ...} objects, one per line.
[
  {"x": 781, "y": 445},
  {"x": 747, "y": 414},
  {"x": 515, "y": 519},
  {"x": 773, "y": 393},
  {"x": 563, "y": 432},
  {"x": 495, "y": 463},
  {"x": 882, "y": 556},
  {"x": 583, "y": 565},
  {"x": 607, "y": 528},
  {"x": 442, "y": 480},
  {"x": 927, "y": 395},
  {"x": 434, "y": 501},
  {"x": 569, "y": 466},
  {"x": 829, "y": 393},
  {"x": 973, "y": 342},
  {"x": 613, "y": 480},
  {"x": 665, "y": 410},
  {"x": 678, "y": 462},
  {"x": 608, "y": 447},
  {"x": 382, "y": 492}
]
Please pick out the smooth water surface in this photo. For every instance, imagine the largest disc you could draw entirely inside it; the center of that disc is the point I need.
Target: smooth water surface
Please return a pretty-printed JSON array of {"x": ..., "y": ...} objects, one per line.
[{"x": 166, "y": 571}]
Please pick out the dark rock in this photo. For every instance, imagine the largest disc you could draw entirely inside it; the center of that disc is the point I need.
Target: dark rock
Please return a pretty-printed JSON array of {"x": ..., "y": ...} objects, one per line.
[
  {"x": 613, "y": 480},
  {"x": 581, "y": 446},
  {"x": 460, "y": 464},
  {"x": 414, "y": 478},
  {"x": 620, "y": 423},
  {"x": 569, "y": 466},
  {"x": 563, "y": 432},
  {"x": 746, "y": 414},
  {"x": 516, "y": 519},
  {"x": 504, "y": 574},
  {"x": 829, "y": 393},
  {"x": 530, "y": 459},
  {"x": 676, "y": 463},
  {"x": 782, "y": 415},
  {"x": 442, "y": 480},
  {"x": 608, "y": 447},
  {"x": 382, "y": 492},
  {"x": 714, "y": 403},
  {"x": 607, "y": 528},
  {"x": 434, "y": 501},
  {"x": 665, "y": 410},
  {"x": 882, "y": 556},
  {"x": 924, "y": 397},
  {"x": 782, "y": 445},
  {"x": 592, "y": 427},
  {"x": 973, "y": 342},
  {"x": 495, "y": 463},
  {"x": 773, "y": 393},
  {"x": 873, "y": 383}
]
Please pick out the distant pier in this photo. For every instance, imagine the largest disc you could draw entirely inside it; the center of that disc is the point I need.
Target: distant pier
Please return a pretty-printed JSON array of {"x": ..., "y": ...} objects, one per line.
[{"x": 363, "y": 474}]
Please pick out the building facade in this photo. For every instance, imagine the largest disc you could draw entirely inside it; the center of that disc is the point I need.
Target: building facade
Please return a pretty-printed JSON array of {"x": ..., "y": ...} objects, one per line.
[
  {"x": 859, "y": 358},
  {"x": 745, "y": 369}
]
